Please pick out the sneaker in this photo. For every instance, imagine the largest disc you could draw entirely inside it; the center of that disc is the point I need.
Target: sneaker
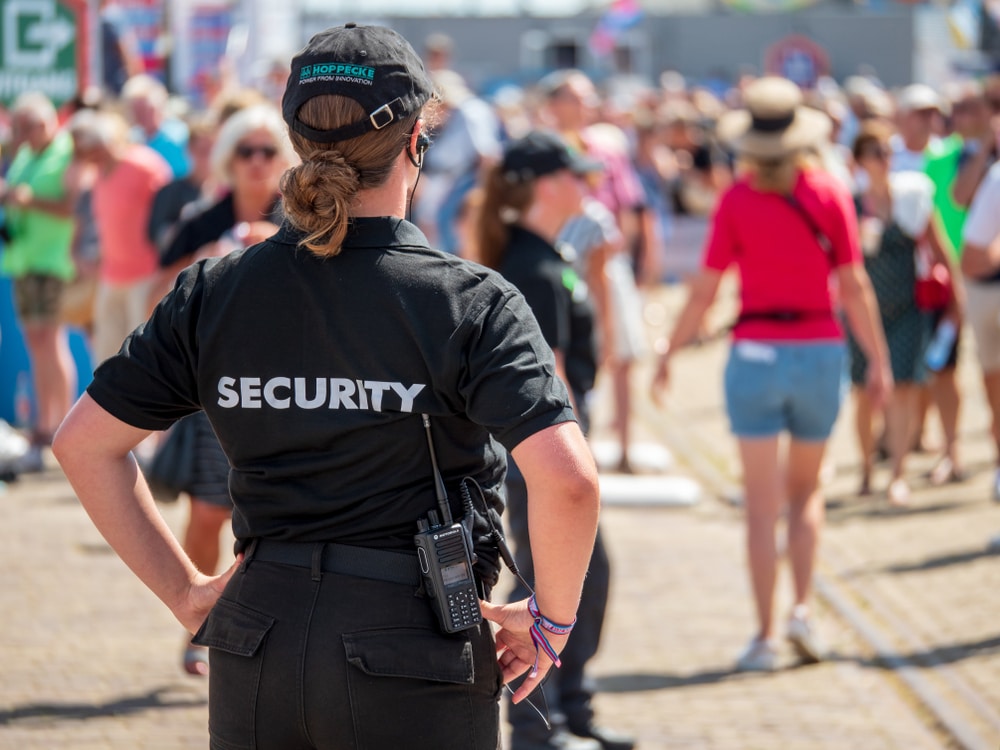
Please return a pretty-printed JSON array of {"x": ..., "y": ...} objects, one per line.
[
  {"x": 758, "y": 656},
  {"x": 32, "y": 461},
  {"x": 609, "y": 739},
  {"x": 803, "y": 638},
  {"x": 559, "y": 739}
]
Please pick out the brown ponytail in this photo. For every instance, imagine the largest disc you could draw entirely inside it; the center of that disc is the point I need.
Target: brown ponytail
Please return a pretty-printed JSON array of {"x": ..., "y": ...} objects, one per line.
[
  {"x": 318, "y": 193},
  {"x": 503, "y": 202}
]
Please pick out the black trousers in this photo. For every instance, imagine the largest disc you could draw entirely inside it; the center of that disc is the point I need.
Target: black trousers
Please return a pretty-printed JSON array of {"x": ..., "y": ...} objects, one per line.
[
  {"x": 567, "y": 693},
  {"x": 302, "y": 659}
]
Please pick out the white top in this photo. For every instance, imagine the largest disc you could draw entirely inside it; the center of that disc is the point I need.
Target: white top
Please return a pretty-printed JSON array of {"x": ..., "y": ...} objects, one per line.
[{"x": 912, "y": 201}]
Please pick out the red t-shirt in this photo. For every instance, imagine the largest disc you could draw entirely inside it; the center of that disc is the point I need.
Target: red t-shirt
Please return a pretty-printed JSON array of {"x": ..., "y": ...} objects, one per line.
[{"x": 782, "y": 265}]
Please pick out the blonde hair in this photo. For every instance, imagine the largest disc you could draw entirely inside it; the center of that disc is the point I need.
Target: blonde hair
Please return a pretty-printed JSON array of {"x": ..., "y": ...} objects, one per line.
[
  {"x": 777, "y": 175},
  {"x": 258, "y": 117},
  {"x": 502, "y": 203},
  {"x": 318, "y": 192}
]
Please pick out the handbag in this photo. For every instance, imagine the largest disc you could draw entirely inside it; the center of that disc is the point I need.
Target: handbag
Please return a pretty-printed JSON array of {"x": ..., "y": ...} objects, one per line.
[
  {"x": 76, "y": 308},
  {"x": 932, "y": 289},
  {"x": 171, "y": 469}
]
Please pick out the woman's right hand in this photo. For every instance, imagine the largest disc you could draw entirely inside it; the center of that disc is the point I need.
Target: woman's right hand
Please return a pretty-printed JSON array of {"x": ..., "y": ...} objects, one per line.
[
  {"x": 661, "y": 380},
  {"x": 202, "y": 595}
]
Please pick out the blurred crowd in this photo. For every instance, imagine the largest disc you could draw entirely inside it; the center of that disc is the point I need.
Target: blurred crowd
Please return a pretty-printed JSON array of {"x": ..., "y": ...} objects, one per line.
[{"x": 106, "y": 198}]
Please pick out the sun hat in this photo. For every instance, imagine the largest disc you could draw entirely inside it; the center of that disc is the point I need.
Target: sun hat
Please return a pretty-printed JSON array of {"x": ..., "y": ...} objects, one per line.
[
  {"x": 775, "y": 122},
  {"x": 917, "y": 97},
  {"x": 540, "y": 153},
  {"x": 373, "y": 65}
]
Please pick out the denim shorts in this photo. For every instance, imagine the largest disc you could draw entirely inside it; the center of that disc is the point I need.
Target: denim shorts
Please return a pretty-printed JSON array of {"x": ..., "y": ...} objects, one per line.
[{"x": 793, "y": 386}]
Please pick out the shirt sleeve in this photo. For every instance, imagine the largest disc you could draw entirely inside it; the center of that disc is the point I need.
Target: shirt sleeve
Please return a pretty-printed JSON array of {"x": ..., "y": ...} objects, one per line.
[
  {"x": 509, "y": 383},
  {"x": 982, "y": 225},
  {"x": 721, "y": 246},
  {"x": 842, "y": 225},
  {"x": 151, "y": 382}
]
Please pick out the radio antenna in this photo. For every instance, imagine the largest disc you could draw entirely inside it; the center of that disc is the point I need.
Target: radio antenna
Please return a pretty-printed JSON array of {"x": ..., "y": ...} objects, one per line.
[{"x": 439, "y": 488}]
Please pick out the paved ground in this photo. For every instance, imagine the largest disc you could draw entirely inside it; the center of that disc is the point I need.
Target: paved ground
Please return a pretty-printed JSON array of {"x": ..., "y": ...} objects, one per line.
[{"x": 89, "y": 659}]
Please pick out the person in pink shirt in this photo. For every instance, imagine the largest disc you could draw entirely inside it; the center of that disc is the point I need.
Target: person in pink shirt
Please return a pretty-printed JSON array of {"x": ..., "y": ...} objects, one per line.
[
  {"x": 130, "y": 175},
  {"x": 787, "y": 228}
]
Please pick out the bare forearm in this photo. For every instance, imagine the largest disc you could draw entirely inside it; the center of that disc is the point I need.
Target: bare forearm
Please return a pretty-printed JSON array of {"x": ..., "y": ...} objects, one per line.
[
  {"x": 563, "y": 509},
  {"x": 701, "y": 295},
  {"x": 94, "y": 450},
  {"x": 861, "y": 308},
  {"x": 116, "y": 498}
]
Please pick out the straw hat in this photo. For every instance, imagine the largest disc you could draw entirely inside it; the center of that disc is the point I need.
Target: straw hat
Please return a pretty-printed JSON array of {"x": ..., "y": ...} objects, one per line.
[{"x": 775, "y": 122}]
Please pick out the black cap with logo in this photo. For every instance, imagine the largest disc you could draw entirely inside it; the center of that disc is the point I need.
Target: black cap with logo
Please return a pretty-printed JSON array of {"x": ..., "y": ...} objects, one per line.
[
  {"x": 539, "y": 153},
  {"x": 373, "y": 65}
]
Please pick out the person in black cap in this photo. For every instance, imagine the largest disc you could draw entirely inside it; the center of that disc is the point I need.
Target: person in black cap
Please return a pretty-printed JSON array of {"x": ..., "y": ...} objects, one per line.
[
  {"x": 528, "y": 198},
  {"x": 325, "y": 358}
]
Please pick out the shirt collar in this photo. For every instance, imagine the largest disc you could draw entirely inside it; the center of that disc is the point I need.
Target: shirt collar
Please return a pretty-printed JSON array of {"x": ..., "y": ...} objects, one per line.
[{"x": 371, "y": 232}]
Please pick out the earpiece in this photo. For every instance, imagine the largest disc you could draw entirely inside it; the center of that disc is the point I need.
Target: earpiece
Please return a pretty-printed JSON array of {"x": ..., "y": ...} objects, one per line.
[{"x": 423, "y": 143}]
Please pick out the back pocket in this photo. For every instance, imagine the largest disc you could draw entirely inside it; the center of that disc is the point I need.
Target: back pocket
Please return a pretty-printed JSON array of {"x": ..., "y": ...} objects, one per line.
[
  {"x": 416, "y": 689},
  {"x": 236, "y": 635}
]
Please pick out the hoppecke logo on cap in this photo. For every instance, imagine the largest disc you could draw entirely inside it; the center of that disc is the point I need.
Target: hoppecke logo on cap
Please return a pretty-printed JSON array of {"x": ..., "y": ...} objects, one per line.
[{"x": 337, "y": 71}]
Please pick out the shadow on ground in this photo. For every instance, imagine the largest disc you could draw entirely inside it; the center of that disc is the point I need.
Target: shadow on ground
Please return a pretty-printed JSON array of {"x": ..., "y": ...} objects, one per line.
[{"x": 161, "y": 698}]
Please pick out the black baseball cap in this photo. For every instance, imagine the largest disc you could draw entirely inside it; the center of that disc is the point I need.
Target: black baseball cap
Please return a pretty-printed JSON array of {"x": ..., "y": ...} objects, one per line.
[
  {"x": 373, "y": 65},
  {"x": 542, "y": 152}
]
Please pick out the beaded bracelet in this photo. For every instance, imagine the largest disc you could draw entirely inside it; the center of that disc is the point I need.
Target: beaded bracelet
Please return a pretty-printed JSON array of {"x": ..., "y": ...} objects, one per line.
[{"x": 538, "y": 636}]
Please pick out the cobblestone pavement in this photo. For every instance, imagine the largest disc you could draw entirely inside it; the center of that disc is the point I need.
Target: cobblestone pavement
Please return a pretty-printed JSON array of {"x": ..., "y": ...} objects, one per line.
[{"x": 90, "y": 659}]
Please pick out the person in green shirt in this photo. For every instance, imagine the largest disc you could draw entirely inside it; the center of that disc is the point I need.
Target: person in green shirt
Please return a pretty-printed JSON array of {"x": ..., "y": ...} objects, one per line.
[{"x": 37, "y": 255}]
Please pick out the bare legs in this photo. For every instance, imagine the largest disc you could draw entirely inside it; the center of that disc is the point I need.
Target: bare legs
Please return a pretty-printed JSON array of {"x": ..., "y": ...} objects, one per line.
[
  {"x": 769, "y": 488},
  {"x": 201, "y": 542},
  {"x": 201, "y": 537},
  {"x": 944, "y": 392},
  {"x": 620, "y": 371},
  {"x": 54, "y": 374},
  {"x": 863, "y": 418},
  {"x": 900, "y": 422}
]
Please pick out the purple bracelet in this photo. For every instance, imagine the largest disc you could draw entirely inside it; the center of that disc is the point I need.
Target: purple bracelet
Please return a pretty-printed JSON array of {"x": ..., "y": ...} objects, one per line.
[{"x": 541, "y": 624}]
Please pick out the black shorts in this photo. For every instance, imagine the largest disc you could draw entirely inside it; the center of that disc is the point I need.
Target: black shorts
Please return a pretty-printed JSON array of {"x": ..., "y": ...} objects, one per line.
[{"x": 302, "y": 659}]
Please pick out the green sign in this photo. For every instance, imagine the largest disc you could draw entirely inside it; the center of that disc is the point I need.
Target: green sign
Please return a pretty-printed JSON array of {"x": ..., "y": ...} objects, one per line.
[{"x": 38, "y": 49}]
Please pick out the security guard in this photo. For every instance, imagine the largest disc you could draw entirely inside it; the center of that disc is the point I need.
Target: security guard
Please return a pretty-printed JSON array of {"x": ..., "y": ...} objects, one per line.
[
  {"x": 529, "y": 196},
  {"x": 314, "y": 355}
]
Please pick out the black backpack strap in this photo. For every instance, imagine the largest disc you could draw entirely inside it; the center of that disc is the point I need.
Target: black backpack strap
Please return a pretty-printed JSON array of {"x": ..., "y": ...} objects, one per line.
[{"x": 819, "y": 234}]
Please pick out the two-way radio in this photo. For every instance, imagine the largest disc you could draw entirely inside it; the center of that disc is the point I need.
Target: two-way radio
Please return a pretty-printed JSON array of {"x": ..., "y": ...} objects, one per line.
[{"x": 444, "y": 550}]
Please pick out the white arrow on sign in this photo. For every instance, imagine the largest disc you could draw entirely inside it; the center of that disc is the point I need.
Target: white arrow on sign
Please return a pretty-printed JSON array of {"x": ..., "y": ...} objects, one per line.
[{"x": 43, "y": 29}]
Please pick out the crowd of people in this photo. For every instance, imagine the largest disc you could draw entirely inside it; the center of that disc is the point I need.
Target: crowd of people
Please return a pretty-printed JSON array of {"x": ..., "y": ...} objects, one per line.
[{"x": 861, "y": 222}]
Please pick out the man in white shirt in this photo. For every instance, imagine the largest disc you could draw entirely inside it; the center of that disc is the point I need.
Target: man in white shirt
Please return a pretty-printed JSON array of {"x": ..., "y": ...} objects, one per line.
[
  {"x": 917, "y": 106},
  {"x": 981, "y": 271}
]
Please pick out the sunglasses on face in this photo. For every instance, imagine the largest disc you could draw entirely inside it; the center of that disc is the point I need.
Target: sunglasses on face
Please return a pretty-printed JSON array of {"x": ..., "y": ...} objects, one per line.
[
  {"x": 246, "y": 153},
  {"x": 878, "y": 153}
]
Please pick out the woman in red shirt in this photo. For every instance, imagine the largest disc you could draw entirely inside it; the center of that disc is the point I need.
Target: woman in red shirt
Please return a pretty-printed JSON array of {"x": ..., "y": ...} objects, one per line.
[{"x": 787, "y": 228}]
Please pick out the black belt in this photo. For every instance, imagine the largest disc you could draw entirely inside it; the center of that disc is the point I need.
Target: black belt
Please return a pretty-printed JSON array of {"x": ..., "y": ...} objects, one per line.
[{"x": 363, "y": 562}]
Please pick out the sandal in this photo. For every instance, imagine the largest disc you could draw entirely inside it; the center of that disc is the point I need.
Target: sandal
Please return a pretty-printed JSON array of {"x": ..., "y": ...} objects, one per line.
[{"x": 196, "y": 660}]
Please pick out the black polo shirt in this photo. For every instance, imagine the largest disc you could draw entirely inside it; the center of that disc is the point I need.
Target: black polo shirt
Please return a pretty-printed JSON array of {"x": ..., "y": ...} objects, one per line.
[
  {"x": 560, "y": 301},
  {"x": 208, "y": 226},
  {"x": 314, "y": 373}
]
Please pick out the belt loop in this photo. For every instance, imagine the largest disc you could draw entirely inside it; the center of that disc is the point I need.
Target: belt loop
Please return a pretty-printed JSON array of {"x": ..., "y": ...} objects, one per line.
[
  {"x": 317, "y": 561},
  {"x": 248, "y": 555}
]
